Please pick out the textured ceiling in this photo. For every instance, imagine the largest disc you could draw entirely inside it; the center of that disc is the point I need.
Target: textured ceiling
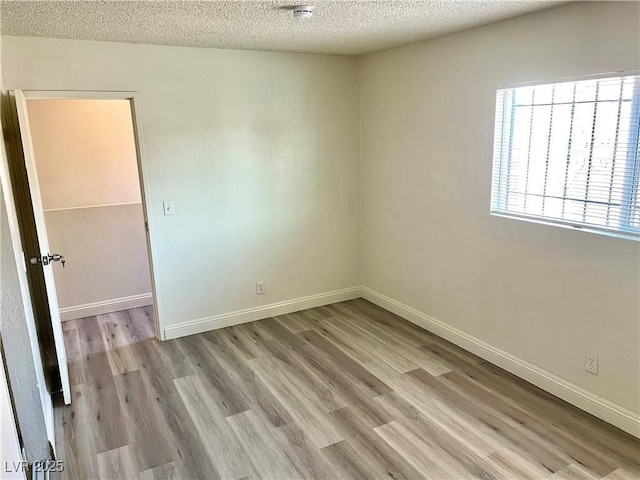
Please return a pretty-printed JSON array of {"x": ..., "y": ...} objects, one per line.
[{"x": 349, "y": 27}]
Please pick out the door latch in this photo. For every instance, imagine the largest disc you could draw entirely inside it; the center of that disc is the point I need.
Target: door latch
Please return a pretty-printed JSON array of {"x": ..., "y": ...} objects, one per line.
[{"x": 47, "y": 259}]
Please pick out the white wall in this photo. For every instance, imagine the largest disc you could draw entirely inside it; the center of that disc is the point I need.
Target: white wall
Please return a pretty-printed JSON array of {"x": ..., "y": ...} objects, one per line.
[
  {"x": 106, "y": 257},
  {"x": 85, "y": 152},
  {"x": 87, "y": 168},
  {"x": 545, "y": 294},
  {"x": 258, "y": 151}
]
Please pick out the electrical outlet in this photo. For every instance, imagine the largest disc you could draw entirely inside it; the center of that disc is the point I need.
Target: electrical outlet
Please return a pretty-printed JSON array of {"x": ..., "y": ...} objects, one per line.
[
  {"x": 591, "y": 364},
  {"x": 260, "y": 288},
  {"x": 167, "y": 207}
]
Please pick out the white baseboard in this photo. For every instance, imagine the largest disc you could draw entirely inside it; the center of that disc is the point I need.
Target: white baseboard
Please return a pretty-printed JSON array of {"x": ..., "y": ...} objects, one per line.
[
  {"x": 258, "y": 313},
  {"x": 107, "y": 306},
  {"x": 571, "y": 393}
]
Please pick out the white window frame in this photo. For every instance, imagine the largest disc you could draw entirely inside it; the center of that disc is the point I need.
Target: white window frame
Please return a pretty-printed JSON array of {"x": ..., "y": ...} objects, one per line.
[{"x": 503, "y": 120}]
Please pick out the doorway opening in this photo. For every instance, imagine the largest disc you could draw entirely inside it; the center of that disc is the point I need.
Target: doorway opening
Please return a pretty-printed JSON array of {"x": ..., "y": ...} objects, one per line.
[
  {"x": 83, "y": 164},
  {"x": 85, "y": 156}
]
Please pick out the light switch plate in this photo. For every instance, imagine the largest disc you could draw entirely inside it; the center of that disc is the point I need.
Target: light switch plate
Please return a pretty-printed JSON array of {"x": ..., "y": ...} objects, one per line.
[{"x": 167, "y": 207}]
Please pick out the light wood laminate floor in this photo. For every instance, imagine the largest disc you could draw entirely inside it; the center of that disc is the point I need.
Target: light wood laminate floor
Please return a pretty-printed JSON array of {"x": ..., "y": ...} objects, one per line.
[{"x": 343, "y": 391}]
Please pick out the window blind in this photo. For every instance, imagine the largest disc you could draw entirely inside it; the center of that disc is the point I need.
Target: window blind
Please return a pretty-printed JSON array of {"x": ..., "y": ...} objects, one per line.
[{"x": 567, "y": 153}]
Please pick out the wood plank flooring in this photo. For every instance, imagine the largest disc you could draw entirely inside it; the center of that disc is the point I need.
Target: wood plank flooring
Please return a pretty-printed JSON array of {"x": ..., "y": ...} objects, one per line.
[{"x": 339, "y": 392}]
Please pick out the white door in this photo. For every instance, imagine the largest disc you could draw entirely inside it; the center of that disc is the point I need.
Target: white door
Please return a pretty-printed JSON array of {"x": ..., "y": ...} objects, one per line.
[{"x": 46, "y": 256}]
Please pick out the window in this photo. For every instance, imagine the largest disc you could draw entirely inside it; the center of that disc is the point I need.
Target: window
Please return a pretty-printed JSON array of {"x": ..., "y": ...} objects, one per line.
[{"x": 567, "y": 154}]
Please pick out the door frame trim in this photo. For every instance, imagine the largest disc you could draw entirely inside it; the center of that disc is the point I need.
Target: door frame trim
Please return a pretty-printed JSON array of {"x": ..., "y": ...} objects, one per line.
[{"x": 134, "y": 100}]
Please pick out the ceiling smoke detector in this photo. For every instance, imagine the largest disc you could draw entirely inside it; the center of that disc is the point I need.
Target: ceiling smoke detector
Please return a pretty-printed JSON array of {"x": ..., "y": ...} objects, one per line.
[{"x": 303, "y": 11}]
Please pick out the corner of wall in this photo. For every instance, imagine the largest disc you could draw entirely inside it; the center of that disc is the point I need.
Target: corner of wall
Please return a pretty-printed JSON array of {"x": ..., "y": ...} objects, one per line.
[{"x": 360, "y": 162}]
